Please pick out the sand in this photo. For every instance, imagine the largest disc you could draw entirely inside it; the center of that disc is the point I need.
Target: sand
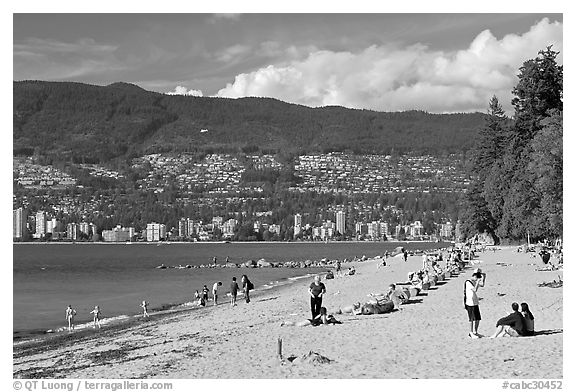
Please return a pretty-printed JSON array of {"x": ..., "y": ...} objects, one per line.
[{"x": 426, "y": 339}]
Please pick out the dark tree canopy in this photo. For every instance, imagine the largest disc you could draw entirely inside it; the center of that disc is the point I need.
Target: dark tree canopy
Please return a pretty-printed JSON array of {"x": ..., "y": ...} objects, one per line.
[{"x": 517, "y": 165}]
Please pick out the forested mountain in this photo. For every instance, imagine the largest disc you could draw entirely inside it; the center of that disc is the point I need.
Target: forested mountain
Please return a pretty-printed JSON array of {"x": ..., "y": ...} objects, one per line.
[{"x": 86, "y": 123}]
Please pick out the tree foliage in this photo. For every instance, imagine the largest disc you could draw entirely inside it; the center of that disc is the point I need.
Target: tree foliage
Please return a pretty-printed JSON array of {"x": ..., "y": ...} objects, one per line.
[{"x": 517, "y": 164}]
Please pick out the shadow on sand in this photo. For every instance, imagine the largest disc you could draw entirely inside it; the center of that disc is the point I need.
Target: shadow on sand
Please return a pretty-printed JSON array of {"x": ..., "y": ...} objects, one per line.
[{"x": 549, "y": 332}]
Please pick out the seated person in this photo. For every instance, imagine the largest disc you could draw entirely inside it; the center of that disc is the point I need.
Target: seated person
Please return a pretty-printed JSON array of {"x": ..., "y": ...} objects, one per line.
[
  {"x": 511, "y": 325},
  {"x": 327, "y": 318},
  {"x": 351, "y": 270},
  {"x": 322, "y": 318},
  {"x": 397, "y": 296},
  {"x": 528, "y": 318}
]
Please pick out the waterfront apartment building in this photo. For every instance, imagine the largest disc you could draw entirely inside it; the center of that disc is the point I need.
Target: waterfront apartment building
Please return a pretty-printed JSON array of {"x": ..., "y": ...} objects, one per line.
[
  {"x": 297, "y": 224},
  {"x": 341, "y": 222},
  {"x": 228, "y": 228},
  {"x": 20, "y": 219},
  {"x": 73, "y": 231},
  {"x": 40, "y": 225},
  {"x": 118, "y": 234},
  {"x": 155, "y": 232}
]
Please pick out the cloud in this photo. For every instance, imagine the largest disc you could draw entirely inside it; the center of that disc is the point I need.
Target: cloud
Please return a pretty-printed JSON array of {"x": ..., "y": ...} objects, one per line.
[
  {"x": 232, "y": 53},
  {"x": 180, "y": 90},
  {"x": 214, "y": 18},
  {"x": 388, "y": 77},
  {"x": 56, "y": 60}
]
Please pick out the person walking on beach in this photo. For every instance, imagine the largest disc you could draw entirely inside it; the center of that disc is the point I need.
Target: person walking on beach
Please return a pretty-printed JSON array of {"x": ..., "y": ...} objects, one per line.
[
  {"x": 247, "y": 286},
  {"x": 316, "y": 291},
  {"x": 405, "y": 255},
  {"x": 233, "y": 291},
  {"x": 471, "y": 286},
  {"x": 70, "y": 313},
  {"x": 96, "y": 313},
  {"x": 338, "y": 268},
  {"x": 144, "y": 307},
  {"x": 215, "y": 292}
]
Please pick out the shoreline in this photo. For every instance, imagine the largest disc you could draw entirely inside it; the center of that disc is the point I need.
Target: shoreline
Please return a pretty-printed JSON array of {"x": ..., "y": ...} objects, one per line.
[
  {"x": 192, "y": 344},
  {"x": 163, "y": 310},
  {"x": 162, "y": 243}
]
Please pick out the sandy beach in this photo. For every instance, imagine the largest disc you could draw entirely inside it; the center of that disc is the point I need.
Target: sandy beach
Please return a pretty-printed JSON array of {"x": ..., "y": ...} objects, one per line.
[{"x": 425, "y": 339}]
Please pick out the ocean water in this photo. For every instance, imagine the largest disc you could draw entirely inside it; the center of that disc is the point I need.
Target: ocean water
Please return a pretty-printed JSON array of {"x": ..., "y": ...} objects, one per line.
[{"x": 117, "y": 277}]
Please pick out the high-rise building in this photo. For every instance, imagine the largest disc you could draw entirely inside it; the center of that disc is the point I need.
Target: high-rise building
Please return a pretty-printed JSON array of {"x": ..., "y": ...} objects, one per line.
[
  {"x": 73, "y": 231},
  {"x": 40, "y": 224},
  {"x": 182, "y": 228},
  {"x": 297, "y": 224},
  {"x": 383, "y": 229},
  {"x": 228, "y": 227},
  {"x": 155, "y": 231},
  {"x": 84, "y": 228},
  {"x": 341, "y": 222},
  {"x": 20, "y": 229}
]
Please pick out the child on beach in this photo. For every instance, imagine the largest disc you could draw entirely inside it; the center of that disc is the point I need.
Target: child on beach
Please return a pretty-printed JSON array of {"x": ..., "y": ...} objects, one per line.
[
  {"x": 96, "y": 313},
  {"x": 144, "y": 307},
  {"x": 233, "y": 291},
  {"x": 70, "y": 313},
  {"x": 528, "y": 318}
]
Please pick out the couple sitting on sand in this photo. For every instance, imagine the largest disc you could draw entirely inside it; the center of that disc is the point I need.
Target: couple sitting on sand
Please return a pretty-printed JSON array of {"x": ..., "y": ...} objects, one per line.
[{"x": 516, "y": 323}]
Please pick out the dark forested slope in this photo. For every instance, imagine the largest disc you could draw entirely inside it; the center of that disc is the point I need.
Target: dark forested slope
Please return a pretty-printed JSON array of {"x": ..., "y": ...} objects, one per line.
[{"x": 98, "y": 123}]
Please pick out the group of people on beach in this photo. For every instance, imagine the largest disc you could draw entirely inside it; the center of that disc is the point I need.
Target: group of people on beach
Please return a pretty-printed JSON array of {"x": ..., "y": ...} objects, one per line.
[
  {"x": 247, "y": 286},
  {"x": 515, "y": 324},
  {"x": 71, "y": 313}
]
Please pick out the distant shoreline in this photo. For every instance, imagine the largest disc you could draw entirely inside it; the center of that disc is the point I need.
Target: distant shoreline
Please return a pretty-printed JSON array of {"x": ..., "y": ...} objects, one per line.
[{"x": 220, "y": 242}]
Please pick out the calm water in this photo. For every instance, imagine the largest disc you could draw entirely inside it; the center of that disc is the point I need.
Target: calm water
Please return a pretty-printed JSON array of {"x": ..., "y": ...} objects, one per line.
[{"x": 118, "y": 277}]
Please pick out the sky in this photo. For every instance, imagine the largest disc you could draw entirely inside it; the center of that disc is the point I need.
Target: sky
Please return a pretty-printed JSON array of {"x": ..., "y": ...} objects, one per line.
[{"x": 385, "y": 62}]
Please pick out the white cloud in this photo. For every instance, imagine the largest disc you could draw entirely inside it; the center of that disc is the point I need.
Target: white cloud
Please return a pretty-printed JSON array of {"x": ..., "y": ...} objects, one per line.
[
  {"x": 232, "y": 53},
  {"x": 181, "y": 90},
  {"x": 392, "y": 78}
]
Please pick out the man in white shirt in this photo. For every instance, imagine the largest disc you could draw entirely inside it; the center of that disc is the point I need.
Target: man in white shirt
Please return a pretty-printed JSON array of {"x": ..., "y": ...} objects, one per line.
[
  {"x": 215, "y": 292},
  {"x": 471, "y": 301}
]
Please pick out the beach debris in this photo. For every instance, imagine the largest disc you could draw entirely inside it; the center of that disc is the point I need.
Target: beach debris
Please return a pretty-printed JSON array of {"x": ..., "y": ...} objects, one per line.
[{"x": 311, "y": 357}]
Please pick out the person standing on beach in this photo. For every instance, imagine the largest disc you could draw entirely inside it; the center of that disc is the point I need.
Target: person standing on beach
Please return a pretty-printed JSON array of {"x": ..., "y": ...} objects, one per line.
[
  {"x": 233, "y": 291},
  {"x": 316, "y": 291},
  {"x": 96, "y": 313},
  {"x": 405, "y": 256},
  {"x": 144, "y": 307},
  {"x": 70, "y": 313},
  {"x": 215, "y": 292},
  {"x": 471, "y": 286},
  {"x": 338, "y": 268},
  {"x": 205, "y": 292},
  {"x": 247, "y": 286}
]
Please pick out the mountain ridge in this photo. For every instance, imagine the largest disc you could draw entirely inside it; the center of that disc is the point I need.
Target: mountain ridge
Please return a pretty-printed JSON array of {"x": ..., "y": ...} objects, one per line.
[{"x": 84, "y": 122}]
